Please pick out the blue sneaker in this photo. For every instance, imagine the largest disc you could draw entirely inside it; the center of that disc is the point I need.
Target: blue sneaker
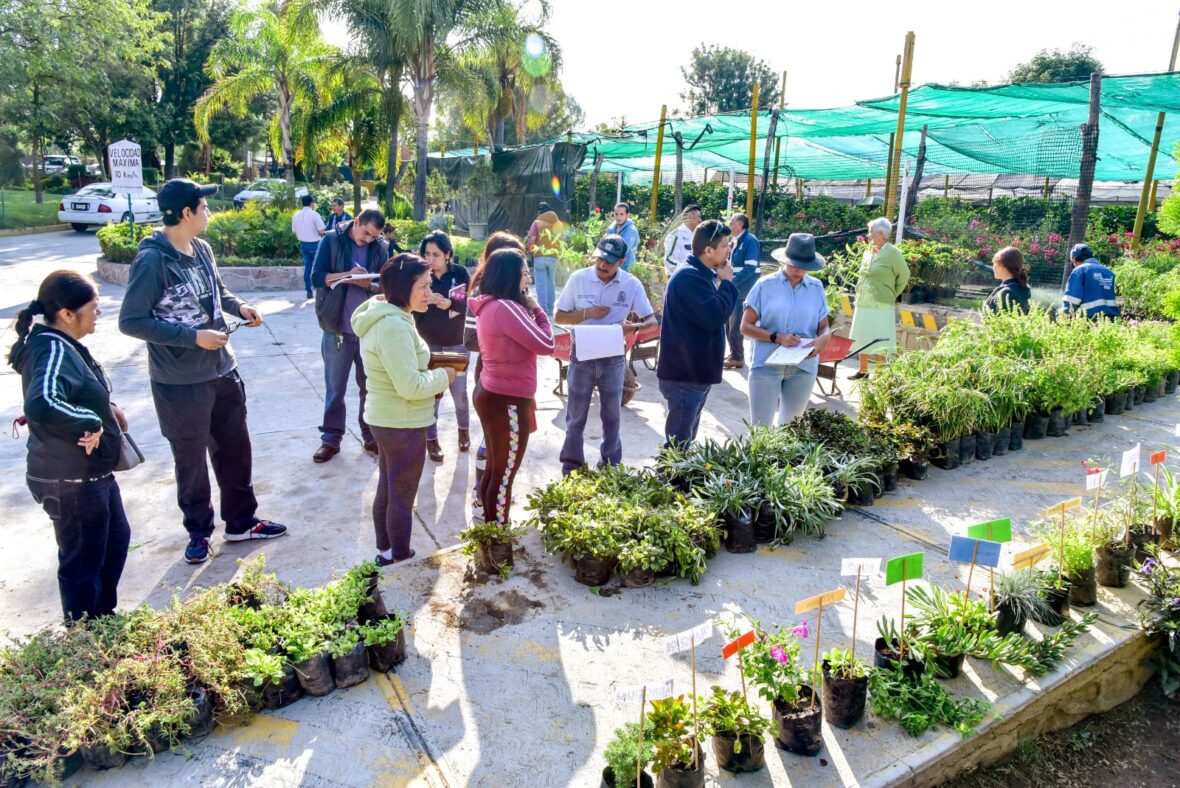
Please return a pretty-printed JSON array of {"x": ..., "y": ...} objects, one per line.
[
  {"x": 197, "y": 551},
  {"x": 263, "y": 529}
]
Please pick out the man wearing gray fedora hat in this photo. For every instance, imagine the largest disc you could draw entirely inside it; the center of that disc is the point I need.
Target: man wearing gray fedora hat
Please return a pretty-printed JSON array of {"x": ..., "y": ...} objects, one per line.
[{"x": 788, "y": 309}]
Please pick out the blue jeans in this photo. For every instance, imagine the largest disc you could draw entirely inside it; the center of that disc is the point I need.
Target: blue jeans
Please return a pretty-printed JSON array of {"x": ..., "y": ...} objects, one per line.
[
  {"x": 341, "y": 352},
  {"x": 779, "y": 388},
  {"x": 685, "y": 403},
  {"x": 734, "y": 324},
  {"x": 545, "y": 274},
  {"x": 92, "y": 539},
  {"x": 308, "y": 250},
  {"x": 606, "y": 375},
  {"x": 458, "y": 394}
]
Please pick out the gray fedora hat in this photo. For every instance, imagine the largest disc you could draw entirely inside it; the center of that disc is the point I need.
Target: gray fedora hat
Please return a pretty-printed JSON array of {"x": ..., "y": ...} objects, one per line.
[{"x": 800, "y": 252}]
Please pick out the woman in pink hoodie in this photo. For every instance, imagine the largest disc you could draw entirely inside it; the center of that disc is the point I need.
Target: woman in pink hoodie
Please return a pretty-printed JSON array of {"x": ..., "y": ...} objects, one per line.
[{"x": 513, "y": 330}]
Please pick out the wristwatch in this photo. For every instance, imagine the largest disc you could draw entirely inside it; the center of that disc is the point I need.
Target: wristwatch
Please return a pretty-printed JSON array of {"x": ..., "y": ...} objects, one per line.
[{"x": 773, "y": 336}]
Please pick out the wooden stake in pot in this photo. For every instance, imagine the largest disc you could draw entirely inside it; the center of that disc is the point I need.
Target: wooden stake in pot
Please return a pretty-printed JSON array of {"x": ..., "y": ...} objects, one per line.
[
  {"x": 899, "y": 570},
  {"x": 1130, "y": 467},
  {"x": 1095, "y": 478},
  {"x": 993, "y": 531},
  {"x": 858, "y": 566},
  {"x": 639, "y": 752},
  {"x": 1061, "y": 509},
  {"x": 811, "y": 603},
  {"x": 679, "y": 642},
  {"x": 733, "y": 647}
]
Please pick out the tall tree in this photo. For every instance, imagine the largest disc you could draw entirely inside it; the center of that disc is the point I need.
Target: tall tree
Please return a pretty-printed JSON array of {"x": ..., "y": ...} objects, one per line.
[
  {"x": 1076, "y": 65},
  {"x": 192, "y": 27},
  {"x": 427, "y": 32},
  {"x": 372, "y": 23},
  {"x": 720, "y": 79},
  {"x": 54, "y": 52},
  {"x": 276, "y": 49}
]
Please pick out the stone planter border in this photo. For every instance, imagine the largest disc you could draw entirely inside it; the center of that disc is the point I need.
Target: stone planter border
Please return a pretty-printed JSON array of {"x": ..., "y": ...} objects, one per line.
[{"x": 237, "y": 280}]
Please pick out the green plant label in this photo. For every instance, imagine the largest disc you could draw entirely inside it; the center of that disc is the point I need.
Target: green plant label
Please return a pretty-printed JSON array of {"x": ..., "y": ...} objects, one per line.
[
  {"x": 992, "y": 530},
  {"x": 906, "y": 567}
]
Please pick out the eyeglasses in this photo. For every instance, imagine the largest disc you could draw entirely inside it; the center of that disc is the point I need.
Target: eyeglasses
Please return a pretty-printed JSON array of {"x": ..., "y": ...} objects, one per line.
[
  {"x": 716, "y": 229},
  {"x": 232, "y": 327}
]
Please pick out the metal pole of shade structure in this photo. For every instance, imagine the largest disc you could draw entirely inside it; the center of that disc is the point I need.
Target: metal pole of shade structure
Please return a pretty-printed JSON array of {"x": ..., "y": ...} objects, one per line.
[
  {"x": 655, "y": 178},
  {"x": 905, "y": 187},
  {"x": 729, "y": 198},
  {"x": 1149, "y": 175},
  {"x": 753, "y": 153},
  {"x": 906, "y": 74}
]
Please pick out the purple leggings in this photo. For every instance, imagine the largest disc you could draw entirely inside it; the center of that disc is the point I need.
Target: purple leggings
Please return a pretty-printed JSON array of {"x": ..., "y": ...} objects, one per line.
[{"x": 401, "y": 453}]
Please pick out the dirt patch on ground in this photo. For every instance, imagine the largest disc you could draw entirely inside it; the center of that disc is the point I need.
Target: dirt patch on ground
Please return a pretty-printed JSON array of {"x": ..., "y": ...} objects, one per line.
[
  {"x": 1135, "y": 744},
  {"x": 488, "y": 615}
]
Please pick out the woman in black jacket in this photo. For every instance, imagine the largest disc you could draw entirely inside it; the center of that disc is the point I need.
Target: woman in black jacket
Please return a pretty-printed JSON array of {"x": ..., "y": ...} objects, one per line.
[
  {"x": 1013, "y": 291},
  {"x": 74, "y": 437}
]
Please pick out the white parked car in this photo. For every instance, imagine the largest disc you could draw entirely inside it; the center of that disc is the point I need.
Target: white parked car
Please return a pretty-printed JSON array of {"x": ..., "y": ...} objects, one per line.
[
  {"x": 263, "y": 190},
  {"x": 55, "y": 164},
  {"x": 99, "y": 204}
]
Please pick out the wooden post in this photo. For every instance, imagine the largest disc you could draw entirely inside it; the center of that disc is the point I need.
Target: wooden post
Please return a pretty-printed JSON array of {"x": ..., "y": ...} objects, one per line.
[
  {"x": 1045, "y": 192},
  {"x": 593, "y": 181},
  {"x": 782, "y": 104},
  {"x": 901, "y": 621},
  {"x": 639, "y": 754},
  {"x": 655, "y": 178},
  {"x": 971, "y": 571},
  {"x": 1061, "y": 555},
  {"x": 678, "y": 183},
  {"x": 819, "y": 625},
  {"x": 1149, "y": 175},
  {"x": 765, "y": 173},
  {"x": 1152, "y": 204},
  {"x": 753, "y": 151},
  {"x": 1081, "y": 205},
  {"x": 869, "y": 189},
  {"x": 855, "y": 610},
  {"x": 889, "y": 166},
  {"x": 946, "y": 188},
  {"x": 912, "y": 197},
  {"x": 618, "y": 187},
  {"x": 799, "y": 189},
  {"x": 694, "y": 698},
  {"x": 906, "y": 72}
]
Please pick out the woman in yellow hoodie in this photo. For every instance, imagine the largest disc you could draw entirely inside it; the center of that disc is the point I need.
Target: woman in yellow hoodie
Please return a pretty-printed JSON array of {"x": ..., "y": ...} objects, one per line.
[{"x": 400, "y": 405}]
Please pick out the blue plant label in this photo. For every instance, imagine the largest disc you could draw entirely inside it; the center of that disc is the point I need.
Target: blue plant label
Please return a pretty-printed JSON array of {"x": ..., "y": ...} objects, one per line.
[{"x": 981, "y": 552}]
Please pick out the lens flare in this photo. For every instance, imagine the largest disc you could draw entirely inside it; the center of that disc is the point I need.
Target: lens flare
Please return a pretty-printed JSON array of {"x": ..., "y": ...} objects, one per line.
[
  {"x": 536, "y": 55},
  {"x": 555, "y": 182},
  {"x": 534, "y": 45}
]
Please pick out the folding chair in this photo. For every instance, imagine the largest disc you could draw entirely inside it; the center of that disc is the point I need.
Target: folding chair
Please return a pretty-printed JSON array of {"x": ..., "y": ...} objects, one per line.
[{"x": 837, "y": 351}]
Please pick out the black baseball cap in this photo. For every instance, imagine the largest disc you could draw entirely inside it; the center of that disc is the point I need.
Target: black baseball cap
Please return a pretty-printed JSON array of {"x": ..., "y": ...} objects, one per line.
[
  {"x": 180, "y": 193},
  {"x": 542, "y": 207},
  {"x": 611, "y": 248}
]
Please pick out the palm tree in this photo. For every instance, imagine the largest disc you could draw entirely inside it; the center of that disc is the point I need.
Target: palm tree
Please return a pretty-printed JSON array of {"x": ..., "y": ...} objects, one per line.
[
  {"x": 427, "y": 33},
  {"x": 349, "y": 115},
  {"x": 377, "y": 52},
  {"x": 276, "y": 49}
]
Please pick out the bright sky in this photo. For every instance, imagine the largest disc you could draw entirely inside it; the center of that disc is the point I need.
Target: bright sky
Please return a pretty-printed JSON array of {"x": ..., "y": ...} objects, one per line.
[{"x": 623, "y": 59}]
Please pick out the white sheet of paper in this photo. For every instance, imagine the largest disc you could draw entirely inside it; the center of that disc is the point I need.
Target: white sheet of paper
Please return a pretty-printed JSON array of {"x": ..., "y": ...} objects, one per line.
[
  {"x": 355, "y": 278},
  {"x": 1130, "y": 461},
  {"x": 1095, "y": 481},
  {"x": 790, "y": 356},
  {"x": 867, "y": 566},
  {"x": 591, "y": 342},
  {"x": 682, "y": 641}
]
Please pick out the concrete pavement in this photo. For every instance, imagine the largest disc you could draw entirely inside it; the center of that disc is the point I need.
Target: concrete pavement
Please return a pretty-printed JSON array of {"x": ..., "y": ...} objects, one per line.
[{"x": 507, "y": 683}]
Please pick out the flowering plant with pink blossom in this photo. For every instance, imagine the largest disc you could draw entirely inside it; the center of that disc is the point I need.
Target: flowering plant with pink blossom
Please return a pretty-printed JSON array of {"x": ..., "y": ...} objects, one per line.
[{"x": 771, "y": 663}]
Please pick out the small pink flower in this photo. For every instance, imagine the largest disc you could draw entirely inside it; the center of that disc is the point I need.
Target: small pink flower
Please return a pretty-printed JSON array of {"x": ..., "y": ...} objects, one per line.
[
  {"x": 779, "y": 654},
  {"x": 800, "y": 631},
  {"x": 860, "y": 239}
]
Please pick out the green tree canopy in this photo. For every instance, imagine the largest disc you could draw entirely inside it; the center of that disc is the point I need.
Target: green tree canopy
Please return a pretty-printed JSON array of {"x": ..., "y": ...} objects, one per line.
[
  {"x": 720, "y": 79},
  {"x": 1056, "y": 66}
]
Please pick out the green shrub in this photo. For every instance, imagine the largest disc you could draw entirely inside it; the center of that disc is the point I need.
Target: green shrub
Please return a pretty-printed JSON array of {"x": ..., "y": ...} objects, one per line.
[
  {"x": 409, "y": 233},
  {"x": 258, "y": 230},
  {"x": 117, "y": 243},
  {"x": 468, "y": 252},
  {"x": 151, "y": 176}
]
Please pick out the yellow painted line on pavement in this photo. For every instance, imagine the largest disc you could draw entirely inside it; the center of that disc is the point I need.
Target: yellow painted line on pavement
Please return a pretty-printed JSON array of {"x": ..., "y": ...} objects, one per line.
[{"x": 273, "y": 732}]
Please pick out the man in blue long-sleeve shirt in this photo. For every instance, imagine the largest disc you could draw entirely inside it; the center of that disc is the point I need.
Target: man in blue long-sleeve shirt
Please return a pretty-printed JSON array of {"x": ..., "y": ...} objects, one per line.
[
  {"x": 1090, "y": 288},
  {"x": 699, "y": 299},
  {"x": 745, "y": 261}
]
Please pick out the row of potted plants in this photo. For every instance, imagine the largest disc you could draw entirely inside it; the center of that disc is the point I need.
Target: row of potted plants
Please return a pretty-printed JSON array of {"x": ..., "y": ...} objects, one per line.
[
  {"x": 986, "y": 387},
  {"x": 943, "y": 629},
  {"x": 139, "y": 683}
]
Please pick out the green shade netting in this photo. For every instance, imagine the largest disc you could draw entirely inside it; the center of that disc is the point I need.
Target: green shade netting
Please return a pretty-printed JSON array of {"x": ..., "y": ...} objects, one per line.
[{"x": 1009, "y": 129}]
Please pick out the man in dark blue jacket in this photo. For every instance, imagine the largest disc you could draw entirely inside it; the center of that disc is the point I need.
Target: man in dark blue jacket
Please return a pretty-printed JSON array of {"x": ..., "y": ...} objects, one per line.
[
  {"x": 699, "y": 299},
  {"x": 1090, "y": 288},
  {"x": 353, "y": 249}
]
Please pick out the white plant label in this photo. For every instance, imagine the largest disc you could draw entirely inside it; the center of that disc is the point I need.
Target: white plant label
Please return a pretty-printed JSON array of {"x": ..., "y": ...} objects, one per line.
[
  {"x": 664, "y": 689},
  {"x": 866, "y": 567},
  {"x": 682, "y": 641},
  {"x": 1096, "y": 481},
  {"x": 1178, "y": 429},
  {"x": 1130, "y": 461}
]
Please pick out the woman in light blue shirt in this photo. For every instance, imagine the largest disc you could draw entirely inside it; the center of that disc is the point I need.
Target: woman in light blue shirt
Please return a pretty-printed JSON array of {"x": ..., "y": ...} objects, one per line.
[{"x": 786, "y": 309}]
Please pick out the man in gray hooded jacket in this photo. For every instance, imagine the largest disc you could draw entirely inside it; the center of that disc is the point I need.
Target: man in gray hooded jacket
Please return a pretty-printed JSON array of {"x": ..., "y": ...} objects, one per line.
[{"x": 175, "y": 302}]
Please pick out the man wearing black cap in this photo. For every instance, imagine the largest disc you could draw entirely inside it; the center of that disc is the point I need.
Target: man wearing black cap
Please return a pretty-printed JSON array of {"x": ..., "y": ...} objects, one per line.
[
  {"x": 175, "y": 302},
  {"x": 601, "y": 294},
  {"x": 1090, "y": 288}
]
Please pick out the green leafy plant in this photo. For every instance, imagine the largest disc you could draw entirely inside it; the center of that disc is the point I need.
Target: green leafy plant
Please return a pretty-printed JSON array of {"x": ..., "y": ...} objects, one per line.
[
  {"x": 623, "y": 752},
  {"x": 1159, "y": 615},
  {"x": 920, "y": 703},
  {"x": 480, "y": 535},
  {"x": 771, "y": 663},
  {"x": 673, "y": 738},
  {"x": 727, "y": 712},
  {"x": 1022, "y": 592},
  {"x": 842, "y": 664},
  {"x": 383, "y": 631}
]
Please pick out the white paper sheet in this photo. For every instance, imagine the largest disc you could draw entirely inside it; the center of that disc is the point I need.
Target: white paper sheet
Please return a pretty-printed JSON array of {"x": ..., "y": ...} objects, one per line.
[
  {"x": 354, "y": 278},
  {"x": 790, "y": 356},
  {"x": 591, "y": 342},
  {"x": 1130, "y": 461}
]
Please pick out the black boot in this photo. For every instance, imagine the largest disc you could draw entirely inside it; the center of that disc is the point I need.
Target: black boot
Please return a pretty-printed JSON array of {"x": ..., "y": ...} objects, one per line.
[{"x": 434, "y": 450}]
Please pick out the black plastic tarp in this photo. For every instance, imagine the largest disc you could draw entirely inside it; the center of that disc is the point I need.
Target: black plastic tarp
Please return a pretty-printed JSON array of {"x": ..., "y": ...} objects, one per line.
[{"x": 528, "y": 176}]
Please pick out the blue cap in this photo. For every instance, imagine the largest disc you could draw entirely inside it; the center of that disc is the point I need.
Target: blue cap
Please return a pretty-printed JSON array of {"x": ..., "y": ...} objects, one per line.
[{"x": 1080, "y": 252}]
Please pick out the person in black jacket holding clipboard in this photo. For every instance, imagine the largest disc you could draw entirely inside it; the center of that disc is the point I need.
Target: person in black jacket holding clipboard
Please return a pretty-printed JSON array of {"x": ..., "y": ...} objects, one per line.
[
  {"x": 74, "y": 437},
  {"x": 699, "y": 299}
]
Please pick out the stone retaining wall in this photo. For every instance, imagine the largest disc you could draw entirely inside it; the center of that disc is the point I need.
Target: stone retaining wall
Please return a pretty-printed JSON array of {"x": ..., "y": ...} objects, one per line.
[{"x": 238, "y": 280}]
